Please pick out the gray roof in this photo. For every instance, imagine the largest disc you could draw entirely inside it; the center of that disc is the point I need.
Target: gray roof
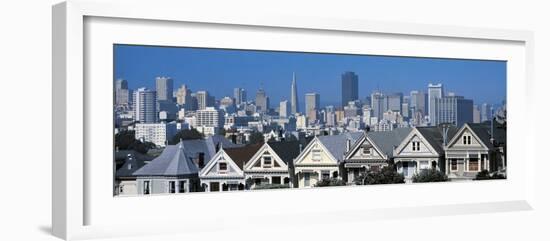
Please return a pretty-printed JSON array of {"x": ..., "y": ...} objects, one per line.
[
  {"x": 336, "y": 144},
  {"x": 388, "y": 140},
  {"x": 131, "y": 164},
  {"x": 484, "y": 133},
  {"x": 434, "y": 135},
  {"x": 172, "y": 162},
  {"x": 181, "y": 159}
]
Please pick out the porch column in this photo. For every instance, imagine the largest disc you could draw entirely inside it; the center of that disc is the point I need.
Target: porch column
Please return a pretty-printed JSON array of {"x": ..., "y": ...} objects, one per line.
[
  {"x": 186, "y": 185},
  {"x": 479, "y": 161},
  {"x": 320, "y": 173}
]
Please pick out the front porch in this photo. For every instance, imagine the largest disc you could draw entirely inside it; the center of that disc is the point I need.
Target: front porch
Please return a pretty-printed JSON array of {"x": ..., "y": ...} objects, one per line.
[
  {"x": 256, "y": 179},
  {"x": 411, "y": 167},
  {"x": 223, "y": 185},
  {"x": 308, "y": 177},
  {"x": 466, "y": 165}
]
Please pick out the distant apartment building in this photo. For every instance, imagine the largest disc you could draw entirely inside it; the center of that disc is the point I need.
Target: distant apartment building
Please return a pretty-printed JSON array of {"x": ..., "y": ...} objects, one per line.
[
  {"x": 476, "y": 114},
  {"x": 452, "y": 109},
  {"x": 184, "y": 98},
  {"x": 145, "y": 105},
  {"x": 351, "y": 110},
  {"x": 378, "y": 104},
  {"x": 394, "y": 102},
  {"x": 284, "y": 109},
  {"x": 486, "y": 112},
  {"x": 312, "y": 106},
  {"x": 211, "y": 118},
  {"x": 203, "y": 99},
  {"x": 350, "y": 87},
  {"x": 157, "y": 133},
  {"x": 418, "y": 102},
  {"x": 262, "y": 101},
  {"x": 165, "y": 88},
  {"x": 122, "y": 94},
  {"x": 435, "y": 91}
]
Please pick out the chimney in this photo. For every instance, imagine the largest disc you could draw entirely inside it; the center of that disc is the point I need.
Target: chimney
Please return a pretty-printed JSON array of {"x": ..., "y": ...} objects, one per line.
[
  {"x": 300, "y": 146},
  {"x": 445, "y": 133},
  {"x": 348, "y": 145}
]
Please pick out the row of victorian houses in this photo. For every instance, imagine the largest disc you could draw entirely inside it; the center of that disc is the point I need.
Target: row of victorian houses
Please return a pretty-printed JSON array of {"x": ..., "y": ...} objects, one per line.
[{"x": 215, "y": 164}]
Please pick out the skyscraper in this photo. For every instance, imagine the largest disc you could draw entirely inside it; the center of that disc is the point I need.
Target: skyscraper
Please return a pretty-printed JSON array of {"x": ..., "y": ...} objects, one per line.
[
  {"x": 165, "y": 88},
  {"x": 312, "y": 106},
  {"x": 350, "y": 87},
  {"x": 435, "y": 91},
  {"x": 183, "y": 97},
  {"x": 122, "y": 94},
  {"x": 418, "y": 101},
  {"x": 378, "y": 104},
  {"x": 394, "y": 102},
  {"x": 262, "y": 101},
  {"x": 240, "y": 96},
  {"x": 477, "y": 114},
  {"x": 284, "y": 109},
  {"x": 294, "y": 108},
  {"x": 453, "y": 109},
  {"x": 145, "y": 105},
  {"x": 485, "y": 112},
  {"x": 203, "y": 99}
]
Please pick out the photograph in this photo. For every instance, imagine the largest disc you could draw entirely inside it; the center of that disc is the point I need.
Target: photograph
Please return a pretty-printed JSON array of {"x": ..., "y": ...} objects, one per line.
[{"x": 195, "y": 119}]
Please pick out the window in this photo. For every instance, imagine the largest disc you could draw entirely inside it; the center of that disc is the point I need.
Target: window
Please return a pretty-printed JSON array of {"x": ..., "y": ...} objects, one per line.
[
  {"x": 306, "y": 179},
  {"x": 454, "y": 165},
  {"x": 473, "y": 165},
  {"x": 121, "y": 189},
  {"x": 416, "y": 146},
  {"x": 146, "y": 187},
  {"x": 222, "y": 167},
  {"x": 316, "y": 155},
  {"x": 325, "y": 175},
  {"x": 181, "y": 186},
  {"x": 172, "y": 187},
  {"x": 424, "y": 165},
  {"x": 215, "y": 187},
  {"x": 275, "y": 180},
  {"x": 467, "y": 140},
  {"x": 375, "y": 168},
  {"x": 267, "y": 161},
  {"x": 367, "y": 150}
]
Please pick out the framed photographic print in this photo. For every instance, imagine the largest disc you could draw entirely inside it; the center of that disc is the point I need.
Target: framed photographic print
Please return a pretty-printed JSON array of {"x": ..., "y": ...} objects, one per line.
[{"x": 225, "y": 119}]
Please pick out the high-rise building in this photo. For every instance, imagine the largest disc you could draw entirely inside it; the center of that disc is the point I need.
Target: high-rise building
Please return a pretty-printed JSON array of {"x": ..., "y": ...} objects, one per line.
[
  {"x": 262, "y": 101},
  {"x": 312, "y": 106},
  {"x": 294, "y": 105},
  {"x": 378, "y": 104},
  {"x": 122, "y": 94},
  {"x": 394, "y": 102},
  {"x": 203, "y": 99},
  {"x": 453, "y": 109},
  {"x": 350, "y": 87},
  {"x": 183, "y": 97},
  {"x": 145, "y": 105},
  {"x": 209, "y": 117},
  {"x": 351, "y": 110},
  {"x": 157, "y": 133},
  {"x": 227, "y": 104},
  {"x": 165, "y": 88},
  {"x": 240, "y": 95},
  {"x": 435, "y": 91},
  {"x": 477, "y": 114},
  {"x": 284, "y": 109},
  {"x": 418, "y": 102},
  {"x": 486, "y": 112}
]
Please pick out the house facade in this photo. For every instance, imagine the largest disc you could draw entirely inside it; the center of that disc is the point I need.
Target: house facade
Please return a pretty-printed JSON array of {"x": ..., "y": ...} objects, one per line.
[
  {"x": 422, "y": 148},
  {"x": 322, "y": 158},
  {"x": 272, "y": 164},
  {"x": 470, "y": 151},
  {"x": 224, "y": 172},
  {"x": 372, "y": 151}
]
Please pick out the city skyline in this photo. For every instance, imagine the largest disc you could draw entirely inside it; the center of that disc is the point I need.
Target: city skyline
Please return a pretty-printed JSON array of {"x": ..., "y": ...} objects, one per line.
[{"x": 196, "y": 68}]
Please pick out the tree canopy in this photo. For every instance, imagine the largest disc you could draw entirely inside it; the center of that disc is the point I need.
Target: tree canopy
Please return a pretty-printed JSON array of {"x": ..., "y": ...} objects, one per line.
[
  {"x": 125, "y": 140},
  {"x": 430, "y": 175},
  {"x": 191, "y": 134},
  {"x": 256, "y": 137},
  {"x": 386, "y": 175}
]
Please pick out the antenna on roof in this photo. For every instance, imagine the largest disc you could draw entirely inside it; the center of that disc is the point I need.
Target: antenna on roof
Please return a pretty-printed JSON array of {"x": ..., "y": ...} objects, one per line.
[{"x": 492, "y": 126}]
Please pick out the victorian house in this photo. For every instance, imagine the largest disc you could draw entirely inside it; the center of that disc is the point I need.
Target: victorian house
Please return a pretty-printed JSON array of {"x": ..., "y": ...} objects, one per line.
[
  {"x": 322, "y": 158},
  {"x": 372, "y": 151},
  {"x": 272, "y": 164},
  {"x": 224, "y": 172},
  {"x": 422, "y": 148},
  {"x": 472, "y": 149}
]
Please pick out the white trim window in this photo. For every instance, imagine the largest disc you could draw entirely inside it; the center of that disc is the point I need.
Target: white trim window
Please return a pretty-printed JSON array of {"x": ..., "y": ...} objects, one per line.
[
  {"x": 466, "y": 139},
  {"x": 423, "y": 165},
  {"x": 474, "y": 165},
  {"x": 316, "y": 154},
  {"x": 267, "y": 161},
  {"x": 367, "y": 150},
  {"x": 171, "y": 186},
  {"x": 416, "y": 146},
  {"x": 222, "y": 167}
]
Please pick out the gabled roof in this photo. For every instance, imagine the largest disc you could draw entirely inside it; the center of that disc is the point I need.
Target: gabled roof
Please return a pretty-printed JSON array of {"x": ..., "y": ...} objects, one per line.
[
  {"x": 434, "y": 135},
  {"x": 286, "y": 150},
  {"x": 173, "y": 161},
  {"x": 483, "y": 133},
  {"x": 388, "y": 140},
  {"x": 241, "y": 155},
  {"x": 337, "y": 144},
  {"x": 131, "y": 164}
]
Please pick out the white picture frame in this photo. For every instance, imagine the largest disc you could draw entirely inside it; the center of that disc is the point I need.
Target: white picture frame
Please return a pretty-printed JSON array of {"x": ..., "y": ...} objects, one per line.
[{"x": 77, "y": 205}]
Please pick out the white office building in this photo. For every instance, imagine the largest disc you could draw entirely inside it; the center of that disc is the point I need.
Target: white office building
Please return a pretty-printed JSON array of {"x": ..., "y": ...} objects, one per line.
[{"x": 157, "y": 133}]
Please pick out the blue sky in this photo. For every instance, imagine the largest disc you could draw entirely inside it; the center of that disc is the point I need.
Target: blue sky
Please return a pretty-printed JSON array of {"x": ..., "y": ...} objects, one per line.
[{"x": 221, "y": 70}]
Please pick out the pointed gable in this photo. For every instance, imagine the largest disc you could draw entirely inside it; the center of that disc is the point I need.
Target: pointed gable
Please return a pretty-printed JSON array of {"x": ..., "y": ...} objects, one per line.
[
  {"x": 424, "y": 141},
  {"x": 380, "y": 144},
  {"x": 265, "y": 159},
  {"x": 471, "y": 136},
  {"x": 327, "y": 149},
  {"x": 229, "y": 162}
]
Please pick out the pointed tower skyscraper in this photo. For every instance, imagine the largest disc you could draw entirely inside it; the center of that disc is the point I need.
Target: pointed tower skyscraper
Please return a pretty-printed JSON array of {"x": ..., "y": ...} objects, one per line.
[{"x": 294, "y": 96}]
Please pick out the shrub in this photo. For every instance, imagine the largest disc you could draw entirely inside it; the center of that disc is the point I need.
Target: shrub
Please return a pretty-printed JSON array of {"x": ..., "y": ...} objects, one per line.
[
  {"x": 485, "y": 175},
  {"x": 270, "y": 186},
  {"x": 330, "y": 182},
  {"x": 430, "y": 175},
  {"x": 386, "y": 175}
]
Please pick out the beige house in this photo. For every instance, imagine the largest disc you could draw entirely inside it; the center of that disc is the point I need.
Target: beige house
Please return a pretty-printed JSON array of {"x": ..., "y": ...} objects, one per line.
[
  {"x": 321, "y": 158},
  {"x": 469, "y": 152}
]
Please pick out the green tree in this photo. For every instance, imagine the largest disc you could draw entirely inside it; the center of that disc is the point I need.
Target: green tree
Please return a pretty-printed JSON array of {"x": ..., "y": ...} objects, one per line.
[
  {"x": 330, "y": 182},
  {"x": 256, "y": 137},
  {"x": 125, "y": 140},
  {"x": 386, "y": 175},
  {"x": 191, "y": 134},
  {"x": 485, "y": 175},
  {"x": 430, "y": 175}
]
